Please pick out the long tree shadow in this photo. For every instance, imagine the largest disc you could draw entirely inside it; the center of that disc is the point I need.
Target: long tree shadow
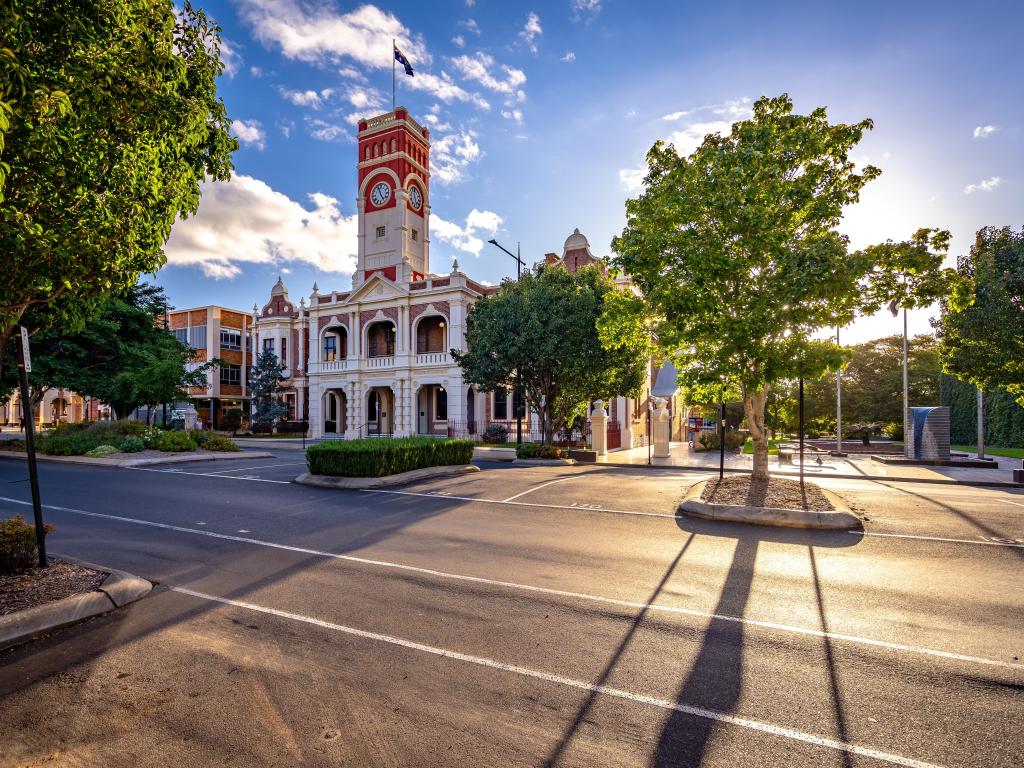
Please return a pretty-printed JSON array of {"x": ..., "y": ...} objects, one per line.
[{"x": 563, "y": 742}]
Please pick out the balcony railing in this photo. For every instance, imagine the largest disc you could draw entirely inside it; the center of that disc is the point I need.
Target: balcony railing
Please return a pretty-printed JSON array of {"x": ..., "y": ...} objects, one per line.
[
  {"x": 334, "y": 365},
  {"x": 380, "y": 362},
  {"x": 433, "y": 358}
]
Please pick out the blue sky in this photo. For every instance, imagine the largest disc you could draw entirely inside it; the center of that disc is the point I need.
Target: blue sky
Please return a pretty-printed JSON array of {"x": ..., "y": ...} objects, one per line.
[{"x": 541, "y": 114}]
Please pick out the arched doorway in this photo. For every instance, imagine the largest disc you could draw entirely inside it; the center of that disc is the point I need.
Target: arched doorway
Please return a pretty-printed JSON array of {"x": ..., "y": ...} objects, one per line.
[
  {"x": 58, "y": 409},
  {"x": 470, "y": 411},
  {"x": 380, "y": 407},
  {"x": 335, "y": 421}
]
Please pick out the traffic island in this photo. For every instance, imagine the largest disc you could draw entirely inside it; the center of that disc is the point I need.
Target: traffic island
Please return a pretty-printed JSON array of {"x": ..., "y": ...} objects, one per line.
[
  {"x": 365, "y": 483},
  {"x": 45, "y": 599},
  {"x": 778, "y": 502},
  {"x": 379, "y": 462}
]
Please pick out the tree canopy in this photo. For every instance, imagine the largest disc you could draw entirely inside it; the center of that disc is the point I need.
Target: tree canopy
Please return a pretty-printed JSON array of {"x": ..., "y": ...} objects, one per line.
[
  {"x": 265, "y": 380},
  {"x": 735, "y": 249},
  {"x": 109, "y": 121},
  {"x": 981, "y": 328},
  {"x": 573, "y": 336}
]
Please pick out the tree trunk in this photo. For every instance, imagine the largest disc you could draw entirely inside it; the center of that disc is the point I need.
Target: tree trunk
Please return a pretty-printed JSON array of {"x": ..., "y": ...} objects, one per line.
[{"x": 753, "y": 409}]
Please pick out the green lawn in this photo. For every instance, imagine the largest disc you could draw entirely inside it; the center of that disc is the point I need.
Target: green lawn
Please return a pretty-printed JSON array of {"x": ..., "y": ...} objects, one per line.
[
  {"x": 1013, "y": 453},
  {"x": 773, "y": 447}
]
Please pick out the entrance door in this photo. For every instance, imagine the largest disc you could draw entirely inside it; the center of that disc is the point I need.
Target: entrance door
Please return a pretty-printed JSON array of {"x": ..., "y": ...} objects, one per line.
[{"x": 373, "y": 409}]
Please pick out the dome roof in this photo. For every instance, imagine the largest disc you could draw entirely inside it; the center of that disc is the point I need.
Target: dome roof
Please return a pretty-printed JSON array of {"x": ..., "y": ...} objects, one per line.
[
  {"x": 576, "y": 241},
  {"x": 279, "y": 288}
]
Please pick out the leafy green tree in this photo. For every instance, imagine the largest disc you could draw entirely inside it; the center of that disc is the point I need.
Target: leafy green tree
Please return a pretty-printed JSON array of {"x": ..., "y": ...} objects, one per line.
[
  {"x": 265, "y": 380},
  {"x": 735, "y": 247},
  {"x": 981, "y": 328},
  {"x": 123, "y": 356},
  {"x": 109, "y": 121},
  {"x": 574, "y": 337}
]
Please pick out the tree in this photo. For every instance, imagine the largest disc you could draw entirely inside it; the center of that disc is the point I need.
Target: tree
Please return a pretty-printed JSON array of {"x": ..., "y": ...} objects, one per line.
[
  {"x": 735, "y": 247},
  {"x": 265, "y": 380},
  {"x": 123, "y": 356},
  {"x": 109, "y": 121},
  {"x": 981, "y": 328},
  {"x": 574, "y": 337}
]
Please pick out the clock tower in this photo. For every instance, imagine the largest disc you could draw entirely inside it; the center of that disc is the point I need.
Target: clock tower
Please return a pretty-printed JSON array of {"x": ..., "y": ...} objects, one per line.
[{"x": 394, "y": 198}]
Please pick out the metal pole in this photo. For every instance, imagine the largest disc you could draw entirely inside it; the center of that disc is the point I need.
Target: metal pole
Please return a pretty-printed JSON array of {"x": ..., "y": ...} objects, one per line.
[
  {"x": 801, "y": 431},
  {"x": 721, "y": 438},
  {"x": 906, "y": 377},
  {"x": 519, "y": 374},
  {"x": 981, "y": 424},
  {"x": 839, "y": 403},
  {"x": 648, "y": 426},
  {"x": 30, "y": 448},
  {"x": 393, "y": 85}
]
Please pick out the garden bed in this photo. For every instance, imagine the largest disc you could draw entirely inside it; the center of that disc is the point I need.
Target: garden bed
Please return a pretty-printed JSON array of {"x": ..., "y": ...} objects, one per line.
[
  {"x": 776, "y": 492},
  {"x": 38, "y": 586},
  {"x": 381, "y": 457}
]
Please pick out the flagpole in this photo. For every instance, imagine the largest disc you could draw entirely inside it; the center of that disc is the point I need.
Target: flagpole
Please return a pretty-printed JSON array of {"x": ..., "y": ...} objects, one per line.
[{"x": 393, "y": 107}]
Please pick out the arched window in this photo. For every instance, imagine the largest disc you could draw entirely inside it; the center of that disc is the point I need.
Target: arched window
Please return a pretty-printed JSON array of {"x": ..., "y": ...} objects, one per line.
[
  {"x": 376, "y": 150},
  {"x": 393, "y": 145},
  {"x": 367, "y": 153}
]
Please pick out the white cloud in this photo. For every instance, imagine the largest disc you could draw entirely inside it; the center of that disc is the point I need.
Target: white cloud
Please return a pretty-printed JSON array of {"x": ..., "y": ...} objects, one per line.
[
  {"x": 325, "y": 131},
  {"x": 530, "y": 31},
  {"x": 444, "y": 88},
  {"x": 434, "y": 122},
  {"x": 584, "y": 9},
  {"x": 985, "y": 185},
  {"x": 309, "y": 98},
  {"x": 451, "y": 156},
  {"x": 984, "y": 131},
  {"x": 464, "y": 238},
  {"x": 478, "y": 68},
  {"x": 352, "y": 73},
  {"x": 513, "y": 114},
  {"x": 286, "y": 127},
  {"x": 250, "y": 132},
  {"x": 230, "y": 57},
  {"x": 244, "y": 221},
  {"x": 459, "y": 41},
  {"x": 569, "y": 57},
  {"x": 472, "y": 26},
  {"x": 739, "y": 109},
  {"x": 692, "y": 136},
  {"x": 256, "y": 71},
  {"x": 470, "y": 3},
  {"x": 632, "y": 179}
]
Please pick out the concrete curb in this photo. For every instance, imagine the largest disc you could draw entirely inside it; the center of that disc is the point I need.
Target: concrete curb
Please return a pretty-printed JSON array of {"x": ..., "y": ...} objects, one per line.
[
  {"x": 481, "y": 453},
  {"x": 365, "y": 483},
  {"x": 118, "y": 589},
  {"x": 840, "y": 519},
  {"x": 544, "y": 462},
  {"x": 129, "y": 463}
]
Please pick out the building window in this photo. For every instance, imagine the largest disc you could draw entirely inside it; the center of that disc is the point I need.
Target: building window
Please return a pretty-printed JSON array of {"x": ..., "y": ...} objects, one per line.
[
  {"x": 330, "y": 348},
  {"x": 284, "y": 352},
  {"x": 440, "y": 405},
  {"x": 501, "y": 404},
  {"x": 231, "y": 374},
  {"x": 380, "y": 232},
  {"x": 268, "y": 345},
  {"x": 181, "y": 334},
  {"x": 197, "y": 337},
  {"x": 230, "y": 339},
  {"x": 415, "y": 235}
]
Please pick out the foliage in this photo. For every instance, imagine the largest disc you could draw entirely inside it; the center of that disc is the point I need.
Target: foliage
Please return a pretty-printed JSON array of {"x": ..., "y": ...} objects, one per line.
[
  {"x": 863, "y": 431},
  {"x": 68, "y": 444},
  {"x": 538, "y": 451},
  {"x": 378, "y": 457},
  {"x": 265, "y": 379},
  {"x": 573, "y": 336},
  {"x": 15, "y": 446},
  {"x": 18, "y": 549},
  {"x": 735, "y": 248},
  {"x": 262, "y": 428},
  {"x": 495, "y": 433},
  {"x": 199, "y": 437},
  {"x": 981, "y": 329},
  {"x": 123, "y": 356},
  {"x": 215, "y": 442},
  {"x": 710, "y": 441},
  {"x": 1003, "y": 415},
  {"x": 231, "y": 420},
  {"x": 100, "y": 451},
  {"x": 175, "y": 442},
  {"x": 893, "y": 430},
  {"x": 131, "y": 444},
  {"x": 293, "y": 427},
  {"x": 109, "y": 122},
  {"x": 909, "y": 273}
]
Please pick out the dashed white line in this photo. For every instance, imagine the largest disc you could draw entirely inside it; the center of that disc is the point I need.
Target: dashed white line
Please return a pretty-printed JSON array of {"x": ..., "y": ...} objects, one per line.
[
  {"x": 707, "y": 714},
  {"x": 538, "y": 487},
  {"x": 809, "y": 631}
]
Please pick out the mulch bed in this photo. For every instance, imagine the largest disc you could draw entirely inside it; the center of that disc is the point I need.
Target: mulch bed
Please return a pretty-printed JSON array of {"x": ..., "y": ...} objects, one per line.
[
  {"x": 37, "y": 586},
  {"x": 777, "y": 492}
]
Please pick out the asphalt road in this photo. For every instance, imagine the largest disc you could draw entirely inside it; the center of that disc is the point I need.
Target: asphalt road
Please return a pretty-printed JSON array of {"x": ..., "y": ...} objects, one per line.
[{"x": 519, "y": 616}]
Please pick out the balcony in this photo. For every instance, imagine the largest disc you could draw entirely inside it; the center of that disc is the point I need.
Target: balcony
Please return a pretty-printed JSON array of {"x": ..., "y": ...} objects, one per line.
[
  {"x": 380, "y": 362},
  {"x": 433, "y": 358},
  {"x": 334, "y": 366}
]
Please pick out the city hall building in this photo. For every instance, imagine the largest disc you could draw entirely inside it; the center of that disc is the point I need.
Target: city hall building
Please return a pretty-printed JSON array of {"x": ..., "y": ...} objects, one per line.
[{"x": 374, "y": 360}]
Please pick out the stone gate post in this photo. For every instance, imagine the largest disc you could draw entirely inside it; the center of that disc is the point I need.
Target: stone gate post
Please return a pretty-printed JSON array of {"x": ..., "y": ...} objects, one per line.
[{"x": 599, "y": 428}]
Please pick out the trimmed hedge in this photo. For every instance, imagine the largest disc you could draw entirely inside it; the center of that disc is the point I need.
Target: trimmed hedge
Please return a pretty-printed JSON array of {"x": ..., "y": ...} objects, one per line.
[
  {"x": 538, "y": 451},
  {"x": 101, "y": 451},
  {"x": 175, "y": 442},
  {"x": 378, "y": 457},
  {"x": 215, "y": 442}
]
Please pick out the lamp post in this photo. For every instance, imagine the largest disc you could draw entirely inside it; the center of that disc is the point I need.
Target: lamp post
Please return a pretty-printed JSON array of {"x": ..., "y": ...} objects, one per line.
[
  {"x": 519, "y": 378},
  {"x": 839, "y": 405}
]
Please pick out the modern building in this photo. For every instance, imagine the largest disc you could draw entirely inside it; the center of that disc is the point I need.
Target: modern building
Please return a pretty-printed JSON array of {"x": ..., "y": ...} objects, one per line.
[
  {"x": 225, "y": 334},
  {"x": 374, "y": 360}
]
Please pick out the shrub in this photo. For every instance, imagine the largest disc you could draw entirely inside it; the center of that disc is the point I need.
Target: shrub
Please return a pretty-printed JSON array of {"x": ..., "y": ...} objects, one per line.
[
  {"x": 538, "y": 451},
  {"x": 262, "y": 428},
  {"x": 131, "y": 444},
  {"x": 231, "y": 421},
  {"x": 893, "y": 430},
  {"x": 69, "y": 444},
  {"x": 292, "y": 427},
  {"x": 215, "y": 442},
  {"x": 377, "y": 457},
  {"x": 709, "y": 441},
  {"x": 495, "y": 433},
  {"x": 176, "y": 442},
  {"x": 199, "y": 437},
  {"x": 18, "y": 544},
  {"x": 12, "y": 445},
  {"x": 100, "y": 451},
  {"x": 863, "y": 432}
]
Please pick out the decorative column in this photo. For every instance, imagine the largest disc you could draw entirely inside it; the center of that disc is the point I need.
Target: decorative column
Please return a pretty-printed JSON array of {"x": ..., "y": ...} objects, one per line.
[
  {"x": 599, "y": 428},
  {"x": 662, "y": 429}
]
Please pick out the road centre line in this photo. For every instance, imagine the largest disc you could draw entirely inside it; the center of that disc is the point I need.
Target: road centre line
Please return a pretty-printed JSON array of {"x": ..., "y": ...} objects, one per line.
[
  {"x": 938, "y": 538},
  {"x": 249, "y": 469},
  {"x": 707, "y": 714},
  {"x": 542, "y": 485},
  {"x": 547, "y": 590}
]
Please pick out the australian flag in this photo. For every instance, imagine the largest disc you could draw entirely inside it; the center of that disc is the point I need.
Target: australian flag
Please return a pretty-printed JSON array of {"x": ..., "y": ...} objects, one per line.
[{"x": 400, "y": 58}]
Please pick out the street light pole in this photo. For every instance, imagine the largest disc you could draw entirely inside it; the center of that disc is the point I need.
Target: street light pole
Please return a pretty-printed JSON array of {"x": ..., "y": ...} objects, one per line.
[
  {"x": 839, "y": 404},
  {"x": 519, "y": 376}
]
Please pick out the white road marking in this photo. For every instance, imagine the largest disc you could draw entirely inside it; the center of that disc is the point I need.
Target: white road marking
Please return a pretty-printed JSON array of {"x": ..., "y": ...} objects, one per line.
[
  {"x": 1007, "y": 501},
  {"x": 1006, "y": 543},
  {"x": 707, "y": 714},
  {"x": 249, "y": 469},
  {"x": 542, "y": 485},
  {"x": 208, "y": 474},
  {"x": 545, "y": 590}
]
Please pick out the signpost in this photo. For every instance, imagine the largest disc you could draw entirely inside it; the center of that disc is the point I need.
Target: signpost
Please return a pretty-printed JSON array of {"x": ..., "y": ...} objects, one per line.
[{"x": 27, "y": 415}]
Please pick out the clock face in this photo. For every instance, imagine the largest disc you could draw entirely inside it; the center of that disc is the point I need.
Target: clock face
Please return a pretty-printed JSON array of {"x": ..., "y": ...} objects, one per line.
[
  {"x": 380, "y": 193},
  {"x": 415, "y": 197}
]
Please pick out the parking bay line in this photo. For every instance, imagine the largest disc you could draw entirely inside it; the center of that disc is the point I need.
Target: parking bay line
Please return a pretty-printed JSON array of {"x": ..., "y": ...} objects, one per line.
[
  {"x": 249, "y": 469},
  {"x": 792, "y": 629},
  {"x": 538, "y": 487},
  {"x": 707, "y": 714}
]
